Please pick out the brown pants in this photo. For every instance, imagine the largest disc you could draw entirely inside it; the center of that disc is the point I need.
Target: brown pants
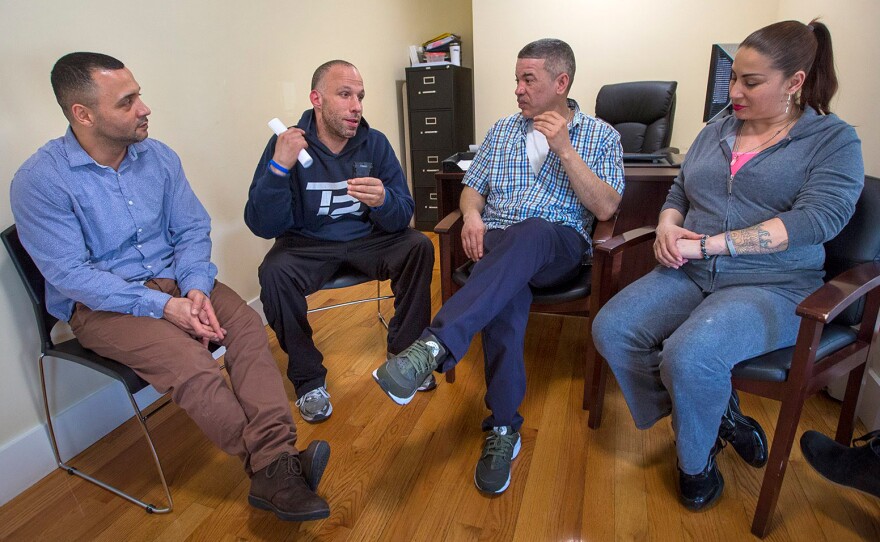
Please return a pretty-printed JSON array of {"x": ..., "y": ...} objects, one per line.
[{"x": 251, "y": 420}]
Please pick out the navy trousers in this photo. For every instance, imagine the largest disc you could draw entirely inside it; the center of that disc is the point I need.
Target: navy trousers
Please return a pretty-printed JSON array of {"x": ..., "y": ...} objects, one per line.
[{"x": 496, "y": 300}]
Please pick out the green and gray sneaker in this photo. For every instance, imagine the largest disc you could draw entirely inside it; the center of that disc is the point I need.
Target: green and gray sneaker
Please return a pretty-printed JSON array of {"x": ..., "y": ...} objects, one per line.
[
  {"x": 493, "y": 469},
  {"x": 402, "y": 375},
  {"x": 429, "y": 384}
]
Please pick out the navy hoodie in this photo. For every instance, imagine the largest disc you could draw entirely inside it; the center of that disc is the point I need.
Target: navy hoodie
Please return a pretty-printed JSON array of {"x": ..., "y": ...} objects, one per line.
[{"x": 314, "y": 202}]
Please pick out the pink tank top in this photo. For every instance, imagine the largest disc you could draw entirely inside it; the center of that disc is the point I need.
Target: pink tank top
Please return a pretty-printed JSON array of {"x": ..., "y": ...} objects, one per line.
[{"x": 739, "y": 159}]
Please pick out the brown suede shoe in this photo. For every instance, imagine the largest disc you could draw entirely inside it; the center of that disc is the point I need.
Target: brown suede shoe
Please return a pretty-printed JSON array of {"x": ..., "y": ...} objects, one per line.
[
  {"x": 281, "y": 488},
  {"x": 314, "y": 460}
]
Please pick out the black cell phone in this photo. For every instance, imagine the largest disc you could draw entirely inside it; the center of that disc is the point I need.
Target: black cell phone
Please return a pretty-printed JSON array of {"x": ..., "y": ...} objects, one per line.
[{"x": 361, "y": 169}]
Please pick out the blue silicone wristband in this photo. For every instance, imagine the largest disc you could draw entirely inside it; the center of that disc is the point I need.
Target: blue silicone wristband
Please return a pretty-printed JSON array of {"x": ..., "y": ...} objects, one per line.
[
  {"x": 279, "y": 167},
  {"x": 730, "y": 247}
]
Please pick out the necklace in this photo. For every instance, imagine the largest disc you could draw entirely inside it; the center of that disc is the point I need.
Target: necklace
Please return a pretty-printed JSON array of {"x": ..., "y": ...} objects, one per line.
[{"x": 735, "y": 154}]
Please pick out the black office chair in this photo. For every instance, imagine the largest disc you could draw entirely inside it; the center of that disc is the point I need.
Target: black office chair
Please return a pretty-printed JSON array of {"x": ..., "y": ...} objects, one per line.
[
  {"x": 642, "y": 112},
  {"x": 72, "y": 350},
  {"x": 345, "y": 277}
]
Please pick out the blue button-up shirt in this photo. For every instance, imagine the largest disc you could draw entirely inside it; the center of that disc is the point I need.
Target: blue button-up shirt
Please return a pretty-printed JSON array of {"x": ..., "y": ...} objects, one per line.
[
  {"x": 501, "y": 172},
  {"x": 98, "y": 234}
]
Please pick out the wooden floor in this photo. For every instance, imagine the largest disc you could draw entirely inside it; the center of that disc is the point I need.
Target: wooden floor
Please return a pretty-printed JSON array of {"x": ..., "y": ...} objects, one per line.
[{"x": 406, "y": 473}]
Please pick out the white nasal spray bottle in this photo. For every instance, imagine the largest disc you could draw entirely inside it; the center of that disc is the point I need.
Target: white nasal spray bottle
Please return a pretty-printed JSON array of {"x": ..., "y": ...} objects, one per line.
[{"x": 279, "y": 128}]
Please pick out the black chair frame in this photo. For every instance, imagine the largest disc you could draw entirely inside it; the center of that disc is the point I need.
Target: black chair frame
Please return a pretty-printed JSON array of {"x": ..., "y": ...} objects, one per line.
[{"x": 72, "y": 350}]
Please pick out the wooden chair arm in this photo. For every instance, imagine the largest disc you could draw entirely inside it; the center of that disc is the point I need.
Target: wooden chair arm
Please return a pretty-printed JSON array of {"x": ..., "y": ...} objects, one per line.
[
  {"x": 834, "y": 296},
  {"x": 604, "y": 229},
  {"x": 626, "y": 240},
  {"x": 451, "y": 251},
  {"x": 448, "y": 224}
]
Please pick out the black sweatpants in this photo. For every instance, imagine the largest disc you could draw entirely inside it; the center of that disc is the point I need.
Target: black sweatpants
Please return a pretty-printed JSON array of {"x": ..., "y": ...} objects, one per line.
[{"x": 297, "y": 266}]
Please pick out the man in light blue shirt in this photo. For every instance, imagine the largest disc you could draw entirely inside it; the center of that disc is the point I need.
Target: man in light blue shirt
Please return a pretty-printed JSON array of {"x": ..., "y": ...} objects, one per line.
[
  {"x": 111, "y": 222},
  {"x": 530, "y": 198}
]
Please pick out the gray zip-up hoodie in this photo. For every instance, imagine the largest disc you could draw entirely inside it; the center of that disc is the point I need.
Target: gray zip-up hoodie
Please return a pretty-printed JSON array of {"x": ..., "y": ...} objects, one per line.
[{"x": 810, "y": 180}]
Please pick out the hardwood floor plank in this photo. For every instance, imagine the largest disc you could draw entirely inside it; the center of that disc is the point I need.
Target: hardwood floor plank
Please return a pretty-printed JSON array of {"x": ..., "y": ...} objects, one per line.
[{"x": 189, "y": 520}]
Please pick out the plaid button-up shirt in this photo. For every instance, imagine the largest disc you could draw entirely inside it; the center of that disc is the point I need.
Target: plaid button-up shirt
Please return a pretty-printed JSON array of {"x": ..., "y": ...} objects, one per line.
[{"x": 501, "y": 172}]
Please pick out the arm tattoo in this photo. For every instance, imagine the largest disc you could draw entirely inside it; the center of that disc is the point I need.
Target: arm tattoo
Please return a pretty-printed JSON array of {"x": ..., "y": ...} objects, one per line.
[{"x": 755, "y": 240}]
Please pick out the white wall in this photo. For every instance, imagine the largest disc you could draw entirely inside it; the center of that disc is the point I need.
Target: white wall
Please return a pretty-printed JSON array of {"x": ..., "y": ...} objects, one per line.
[
  {"x": 854, "y": 33},
  {"x": 213, "y": 73}
]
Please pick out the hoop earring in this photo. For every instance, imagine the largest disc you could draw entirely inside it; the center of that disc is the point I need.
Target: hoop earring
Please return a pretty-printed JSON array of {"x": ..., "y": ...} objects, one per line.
[{"x": 787, "y": 104}]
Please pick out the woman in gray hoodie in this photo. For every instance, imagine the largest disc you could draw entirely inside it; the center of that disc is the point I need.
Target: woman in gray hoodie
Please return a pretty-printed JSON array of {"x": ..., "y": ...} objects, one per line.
[{"x": 740, "y": 244}]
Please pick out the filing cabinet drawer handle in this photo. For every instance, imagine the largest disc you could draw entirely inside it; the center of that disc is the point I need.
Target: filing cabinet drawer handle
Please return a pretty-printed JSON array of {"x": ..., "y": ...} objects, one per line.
[
  {"x": 434, "y": 159},
  {"x": 433, "y": 197},
  {"x": 428, "y": 80},
  {"x": 427, "y": 92},
  {"x": 430, "y": 121},
  {"x": 428, "y": 132},
  {"x": 431, "y": 171},
  {"x": 431, "y": 207}
]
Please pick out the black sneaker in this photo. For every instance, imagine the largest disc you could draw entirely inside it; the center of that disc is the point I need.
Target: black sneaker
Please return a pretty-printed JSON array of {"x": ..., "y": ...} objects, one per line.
[
  {"x": 314, "y": 460},
  {"x": 700, "y": 491},
  {"x": 402, "y": 375},
  {"x": 743, "y": 433},
  {"x": 857, "y": 467},
  {"x": 493, "y": 469}
]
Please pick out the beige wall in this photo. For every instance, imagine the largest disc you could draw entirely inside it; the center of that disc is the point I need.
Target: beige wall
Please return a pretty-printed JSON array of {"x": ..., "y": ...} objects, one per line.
[
  {"x": 213, "y": 72},
  {"x": 854, "y": 33},
  {"x": 631, "y": 40}
]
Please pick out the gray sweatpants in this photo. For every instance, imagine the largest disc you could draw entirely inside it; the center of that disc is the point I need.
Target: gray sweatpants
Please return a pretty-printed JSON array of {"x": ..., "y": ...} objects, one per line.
[{"x": 672, "y": 345}]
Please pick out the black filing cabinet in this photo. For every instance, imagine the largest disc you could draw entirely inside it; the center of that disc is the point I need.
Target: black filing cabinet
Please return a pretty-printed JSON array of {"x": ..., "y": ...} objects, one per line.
[{"x": 441, "y": 123}]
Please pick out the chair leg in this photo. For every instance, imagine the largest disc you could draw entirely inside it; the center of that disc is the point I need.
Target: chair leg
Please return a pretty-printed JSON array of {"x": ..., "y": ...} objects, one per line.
[
  {"x": 598, "y": 401},
  {"x": 595, "y": 377},
  {"x": 150, "y": 508},
  {"x": 379, "y": 305},
  {"x": 848, "y": 409},
  {"x": 780, "y": 449}
]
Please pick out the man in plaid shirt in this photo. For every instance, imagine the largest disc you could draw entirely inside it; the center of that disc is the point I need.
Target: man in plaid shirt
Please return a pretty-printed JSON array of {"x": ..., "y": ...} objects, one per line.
[{"x": 536, "y": 184}]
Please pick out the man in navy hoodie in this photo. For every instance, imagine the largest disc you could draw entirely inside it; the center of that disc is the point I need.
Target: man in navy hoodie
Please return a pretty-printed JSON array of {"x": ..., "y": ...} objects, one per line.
[{"x": 351, "y": 207}]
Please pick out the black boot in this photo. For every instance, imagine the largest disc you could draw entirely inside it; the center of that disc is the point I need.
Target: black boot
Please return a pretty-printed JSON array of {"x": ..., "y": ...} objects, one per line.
[
  {"x": 743, "y": 433},
  {"x": 700, "y": 491},
  {"x": 857, "y": 467}
]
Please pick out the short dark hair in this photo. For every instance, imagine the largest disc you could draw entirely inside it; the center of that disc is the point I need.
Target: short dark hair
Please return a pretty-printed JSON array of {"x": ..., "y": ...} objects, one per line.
[
  {"x": 558, "y": 57},
  {"x": 792, "y": 46},
  {"x": 325, "y": 67},
  {"x": 72, "y": 77}
]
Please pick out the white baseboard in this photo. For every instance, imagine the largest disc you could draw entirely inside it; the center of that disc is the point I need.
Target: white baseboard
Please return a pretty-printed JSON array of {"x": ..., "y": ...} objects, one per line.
[
  {"x": 24, "y": 461},
  {"x": 257, "y": 305},
  {"x": 868, "y": 409},
  {"x": 28, "y": 458}
]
